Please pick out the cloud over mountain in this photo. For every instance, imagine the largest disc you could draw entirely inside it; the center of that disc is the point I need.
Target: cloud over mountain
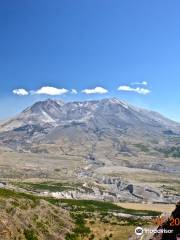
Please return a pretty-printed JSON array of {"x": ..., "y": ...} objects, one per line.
[
  {"x": 20, "y": 92},
  {"x": 98, "y": 90},
  {"x": 143, "y": 91},
  {"x": 47, "y": 90},
  {"x": 53, "y": 91}
]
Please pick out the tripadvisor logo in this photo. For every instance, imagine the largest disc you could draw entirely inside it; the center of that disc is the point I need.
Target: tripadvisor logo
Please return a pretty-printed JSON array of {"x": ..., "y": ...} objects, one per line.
[{"x": 139, "y": 231}]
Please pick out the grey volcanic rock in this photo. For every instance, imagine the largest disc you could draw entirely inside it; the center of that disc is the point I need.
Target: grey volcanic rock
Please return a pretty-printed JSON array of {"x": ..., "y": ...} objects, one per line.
[{"x": 109, "y": 118}]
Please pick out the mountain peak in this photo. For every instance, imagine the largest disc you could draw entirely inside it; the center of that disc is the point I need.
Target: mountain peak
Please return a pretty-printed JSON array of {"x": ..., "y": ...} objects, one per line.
[
  {"x": 50, "y": 100},
  {"x": 105, "y": 112}
]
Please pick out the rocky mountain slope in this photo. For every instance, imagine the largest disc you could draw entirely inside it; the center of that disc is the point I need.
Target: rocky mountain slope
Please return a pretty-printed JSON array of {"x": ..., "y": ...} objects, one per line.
[
  {"x": 108, "y": 114},
  {"x": 96, "y": 141},
  {"x": 87, "y": 123}
]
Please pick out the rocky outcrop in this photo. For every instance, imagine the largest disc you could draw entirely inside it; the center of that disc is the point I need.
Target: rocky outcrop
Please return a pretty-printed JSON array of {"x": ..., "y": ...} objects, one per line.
[
  {"x": 124, "y": 190},
  {"x": 114, "y": 189}
]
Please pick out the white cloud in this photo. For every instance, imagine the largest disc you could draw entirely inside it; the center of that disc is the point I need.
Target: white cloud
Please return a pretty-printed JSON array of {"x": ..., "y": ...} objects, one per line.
[
  {"x": 139, "y": 90},
  {"x": 74, "y": 91},
  {"x": 50, "y": 91},
  {"x": 99, "y": 90},
  {"x": 20, "y": 92},
  {"x": 145, "y": 83}
]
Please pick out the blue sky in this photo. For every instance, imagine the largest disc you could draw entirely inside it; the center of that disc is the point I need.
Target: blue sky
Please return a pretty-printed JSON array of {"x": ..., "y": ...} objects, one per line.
[{"x": 86, "y": 44}]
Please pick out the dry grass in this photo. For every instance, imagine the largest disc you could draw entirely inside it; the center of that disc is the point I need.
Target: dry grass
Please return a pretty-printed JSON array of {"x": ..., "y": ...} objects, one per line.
[
  {"x": 148, "y": 206},
  {"x": 102, "y": 230}
]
